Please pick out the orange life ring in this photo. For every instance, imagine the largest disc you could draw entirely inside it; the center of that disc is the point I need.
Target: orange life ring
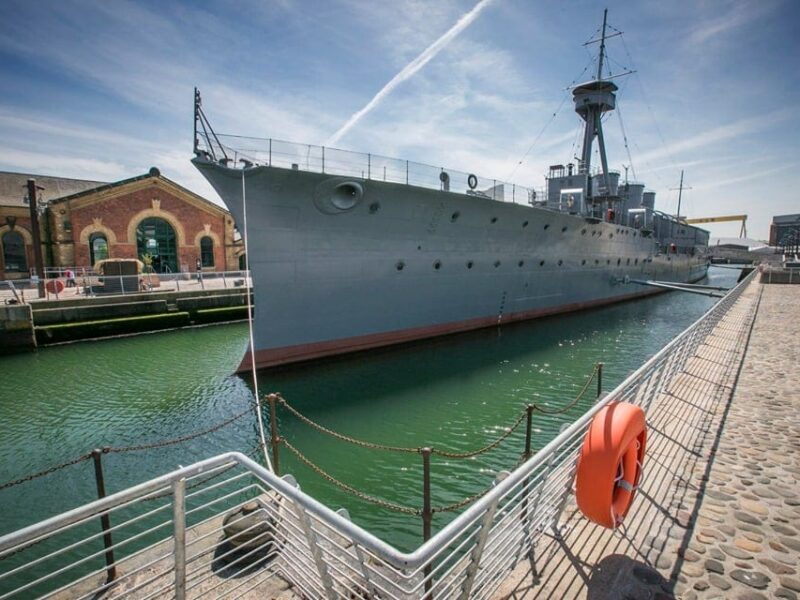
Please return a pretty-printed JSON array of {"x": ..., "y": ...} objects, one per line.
[
  {"x": 610, "y": 463},
  {"x": 54, "y": 286}
]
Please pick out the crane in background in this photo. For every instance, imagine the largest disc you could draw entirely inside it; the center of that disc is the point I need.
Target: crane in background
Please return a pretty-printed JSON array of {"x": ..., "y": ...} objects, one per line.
[{"x": 723, "y": 219}]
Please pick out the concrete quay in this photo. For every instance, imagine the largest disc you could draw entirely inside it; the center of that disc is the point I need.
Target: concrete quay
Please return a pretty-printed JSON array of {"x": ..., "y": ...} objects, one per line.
[{"x": 718, "y": 512}]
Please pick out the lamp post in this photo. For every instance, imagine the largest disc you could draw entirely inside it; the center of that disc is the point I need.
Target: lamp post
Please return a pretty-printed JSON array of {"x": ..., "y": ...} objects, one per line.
[{"x": 37, "y": 241}]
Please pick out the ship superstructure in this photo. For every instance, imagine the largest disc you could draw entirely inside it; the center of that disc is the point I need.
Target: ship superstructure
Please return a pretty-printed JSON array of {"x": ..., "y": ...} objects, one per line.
[{"x": 351, "y": 251}]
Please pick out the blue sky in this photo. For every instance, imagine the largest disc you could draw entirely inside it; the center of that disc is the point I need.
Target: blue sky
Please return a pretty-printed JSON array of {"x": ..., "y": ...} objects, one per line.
[{"x": 101, "y": 89}]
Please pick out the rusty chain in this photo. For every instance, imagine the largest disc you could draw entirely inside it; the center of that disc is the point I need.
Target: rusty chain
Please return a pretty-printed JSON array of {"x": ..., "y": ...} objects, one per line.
[
  {"x": 118, "y": 449},
  {"x": 33, "y": 476},
  {"x": 366, "y": 497},
  {"x": 491, "y": 446},
  {"x": 580, "y": 396},
  {"x": 340, "y": 436}
]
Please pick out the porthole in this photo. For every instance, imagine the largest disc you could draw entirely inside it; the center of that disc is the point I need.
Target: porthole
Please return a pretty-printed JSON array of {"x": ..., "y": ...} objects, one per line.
[
  {"x": 610, "y": 235},
  {"x": 470, "y": 264},
  {"x": 546, "y": 226},
  {"x": 521, "y": 263},
  {"x": 494, "y": 220},
  {"x": 583, "y": 231},
  {"x": 608, "y": 261},
  {"x": 454, "y": 216},
  {"x": 619, "y": 260},
  {"x": 583, "y": 262},
  {"x": 437, "y": 264},
  {"x": 419, "y": 247},
  {"x": 524, "y": 224},
  {"x": 597, "y": 261},
  {"x": 628, "y": 261},
  {"x": 594, "y": 233},
  {"x": 617, "y": 229},
  {"x": 400, "y": 265},
  {"x": 541, "y": 263},
  {"x": 563, "y": 229},
  {"x": 560, "y": 262},
  {"x": 636, "y": 262},
  {"x": 496, "y": 264},
  {"x": 634, "y": 234}
]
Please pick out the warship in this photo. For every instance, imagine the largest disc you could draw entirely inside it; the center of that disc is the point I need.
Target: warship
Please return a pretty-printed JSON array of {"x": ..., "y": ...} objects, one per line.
[{"x": 352, "y": 251}]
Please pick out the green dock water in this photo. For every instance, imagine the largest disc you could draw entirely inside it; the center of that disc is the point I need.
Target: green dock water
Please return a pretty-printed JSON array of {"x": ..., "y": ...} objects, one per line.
[{"x": 456, "y": 393}]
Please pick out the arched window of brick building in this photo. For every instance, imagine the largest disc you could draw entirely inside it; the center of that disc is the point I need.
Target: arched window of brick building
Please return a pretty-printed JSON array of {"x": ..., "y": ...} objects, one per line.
[
  {"x": 98, "y": 247},
  {"x": 14, "y": 252},
  {"x": 207, "y": 251},
  {"x": 156, "y": 238}
]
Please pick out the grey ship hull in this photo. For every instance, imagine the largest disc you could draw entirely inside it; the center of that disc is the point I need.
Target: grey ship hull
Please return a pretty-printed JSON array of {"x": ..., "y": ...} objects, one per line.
[{"x": 406, "y": 263}]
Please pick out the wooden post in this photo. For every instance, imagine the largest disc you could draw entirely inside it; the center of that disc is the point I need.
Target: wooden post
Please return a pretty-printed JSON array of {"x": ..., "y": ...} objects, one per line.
[{"x": 37, "y": 240}]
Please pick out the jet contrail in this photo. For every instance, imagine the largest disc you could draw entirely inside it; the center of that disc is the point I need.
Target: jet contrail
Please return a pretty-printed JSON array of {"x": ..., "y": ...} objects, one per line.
[{"x": 410, "y": 69}]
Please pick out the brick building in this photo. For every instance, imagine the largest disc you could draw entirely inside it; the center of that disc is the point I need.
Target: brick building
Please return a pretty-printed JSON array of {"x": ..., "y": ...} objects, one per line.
[{"x": 148, "y": 217}]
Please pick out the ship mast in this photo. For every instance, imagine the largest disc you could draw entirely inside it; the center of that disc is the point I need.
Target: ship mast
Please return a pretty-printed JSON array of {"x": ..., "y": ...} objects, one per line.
[{"x": 591, "y": 101}]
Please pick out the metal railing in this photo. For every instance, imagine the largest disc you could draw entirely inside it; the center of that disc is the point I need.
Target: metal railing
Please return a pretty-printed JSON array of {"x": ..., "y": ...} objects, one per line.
[
  {"x": 91, "y": 284},
  {"x": 320, "y": 159},
  {"x": 171, "y": 549}
]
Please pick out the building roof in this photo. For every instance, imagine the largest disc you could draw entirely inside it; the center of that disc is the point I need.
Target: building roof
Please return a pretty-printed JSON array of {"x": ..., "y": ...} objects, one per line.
[
  {"x": 743, "y": 243},
  {"x": 14, "y": 187},
  {"x": 786, "y": 219}
]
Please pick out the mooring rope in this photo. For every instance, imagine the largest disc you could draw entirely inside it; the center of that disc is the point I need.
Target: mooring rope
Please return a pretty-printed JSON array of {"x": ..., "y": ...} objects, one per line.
[{"x": 261, "y": 436}]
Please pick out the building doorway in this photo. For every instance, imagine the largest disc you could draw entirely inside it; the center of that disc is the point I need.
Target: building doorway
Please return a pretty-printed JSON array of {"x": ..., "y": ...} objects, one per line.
[{"x": 156, "y": 245}]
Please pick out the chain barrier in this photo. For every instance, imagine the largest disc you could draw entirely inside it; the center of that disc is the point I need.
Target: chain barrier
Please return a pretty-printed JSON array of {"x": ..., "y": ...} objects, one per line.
[
  {"x": 33, "y": 476},
  {"x": 366, "y": 497},
  {"x": 119, "y": 449},
  {"x": 340, "y": 436},
  {"x": 580, "y": 396},
  {"x": 491, "y": 446}
]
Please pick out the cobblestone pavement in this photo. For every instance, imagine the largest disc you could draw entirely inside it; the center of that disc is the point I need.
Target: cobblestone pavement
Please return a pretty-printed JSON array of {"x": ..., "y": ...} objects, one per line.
[{"x": 718, "y": 512}]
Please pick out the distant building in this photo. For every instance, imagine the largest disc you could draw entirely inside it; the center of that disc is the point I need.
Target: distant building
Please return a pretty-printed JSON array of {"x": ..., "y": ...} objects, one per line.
[
  {"x": 148, "y": 217},
  {"x": 785, "y": 230}
]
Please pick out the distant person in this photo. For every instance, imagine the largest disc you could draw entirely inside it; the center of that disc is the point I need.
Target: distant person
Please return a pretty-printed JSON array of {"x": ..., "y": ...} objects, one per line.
[{"x": 70, "y": 275}]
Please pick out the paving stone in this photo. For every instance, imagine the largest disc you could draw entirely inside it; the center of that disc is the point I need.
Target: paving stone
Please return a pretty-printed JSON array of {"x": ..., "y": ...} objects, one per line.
[
  {"x": 719, "y": 582},
  {"x": 692, "y": 569},
  {"x": 716, "y": 554},
  {"x": 688, "y": 554},
  {"x": 748, "y": 545},
  {"x": 790, "y": 582},
  {"x": 753, "y": 537},
  {"x": 791, "y": 543},
  {"x": 747, "y": 517},
  {"x": 777, "y": 567},
  {"x": 754, "y": 579},
  {"x": 718, "y": 495},
  {"x": 714, "y": 566},
  {"x": 753, "y": 507},
  {"x": 750, "y": 595},
  {"x": 701, "y": 585},
  {"x": 784, "y": 593},
  {"x": 735, "y": 552},
  {"x": 663, "y": 562}
]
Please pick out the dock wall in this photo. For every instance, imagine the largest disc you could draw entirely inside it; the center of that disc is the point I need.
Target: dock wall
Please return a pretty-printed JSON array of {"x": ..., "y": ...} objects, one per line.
[{"x": 16, "y": 329}]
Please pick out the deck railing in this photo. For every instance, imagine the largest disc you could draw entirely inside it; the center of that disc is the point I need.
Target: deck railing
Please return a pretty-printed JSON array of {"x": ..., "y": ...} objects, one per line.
[
  {"x": 333, "y": 161},
  {"x": 318, "y": 551}
]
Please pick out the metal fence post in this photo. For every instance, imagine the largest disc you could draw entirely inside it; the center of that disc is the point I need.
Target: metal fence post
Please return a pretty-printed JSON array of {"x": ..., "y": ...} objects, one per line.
[
  {"x": 323, "y": 159},
  {"x": 528, "y": 431},
  {"x": 599, "y": 379},
  {"x": 105, "y": 520},
  {"x": 179, "y": 528},
  {"x": 477, "y": 550},
  {"x": 427, "y": 513},
  {"x": 369, "y": 166},
  {"x": 406, "y": 172},
  {"x": 270, "y": 152},
  {"x": 275, "y": 439}
]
